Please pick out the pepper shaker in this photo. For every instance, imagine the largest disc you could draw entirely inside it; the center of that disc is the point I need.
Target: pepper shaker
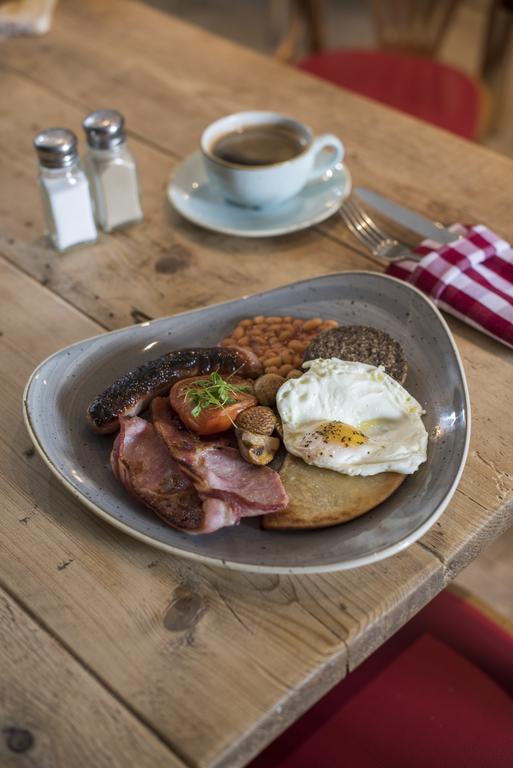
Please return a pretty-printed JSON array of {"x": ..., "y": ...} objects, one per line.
[
  {"x": 65, "y": 190},
  {"x": 111, "y": 169}
]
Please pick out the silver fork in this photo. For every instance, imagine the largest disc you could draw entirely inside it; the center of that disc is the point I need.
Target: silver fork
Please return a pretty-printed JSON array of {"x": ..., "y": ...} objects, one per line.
[{"x": 374, "y": 239}]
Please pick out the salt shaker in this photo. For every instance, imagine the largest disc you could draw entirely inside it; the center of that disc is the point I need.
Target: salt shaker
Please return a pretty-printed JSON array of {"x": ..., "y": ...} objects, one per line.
[
  {"x": 111, "y": 170},
  {"x": 65, "y": 189}
]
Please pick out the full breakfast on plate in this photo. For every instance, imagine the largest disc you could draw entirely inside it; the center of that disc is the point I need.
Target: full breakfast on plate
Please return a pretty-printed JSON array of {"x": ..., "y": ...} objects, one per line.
[{"x": 300, "y": 421}]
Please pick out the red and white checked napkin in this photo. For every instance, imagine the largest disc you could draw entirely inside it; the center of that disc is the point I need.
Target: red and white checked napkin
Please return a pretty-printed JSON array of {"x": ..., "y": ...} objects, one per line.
[{"x": 470, "y": 278}]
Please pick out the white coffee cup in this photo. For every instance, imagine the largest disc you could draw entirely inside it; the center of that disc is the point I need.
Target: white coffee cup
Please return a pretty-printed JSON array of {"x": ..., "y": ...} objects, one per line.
[{"x": 265, "y": 185}]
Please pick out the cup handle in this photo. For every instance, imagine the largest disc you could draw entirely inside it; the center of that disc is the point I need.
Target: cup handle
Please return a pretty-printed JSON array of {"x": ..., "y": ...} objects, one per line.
[{"x": 320, "y": 143}]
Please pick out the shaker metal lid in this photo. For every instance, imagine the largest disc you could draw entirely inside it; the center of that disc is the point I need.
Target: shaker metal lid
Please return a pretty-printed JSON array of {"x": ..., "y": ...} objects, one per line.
[
  {"x": 56, "y": 147},
  {"x": 104, "y": 128}
]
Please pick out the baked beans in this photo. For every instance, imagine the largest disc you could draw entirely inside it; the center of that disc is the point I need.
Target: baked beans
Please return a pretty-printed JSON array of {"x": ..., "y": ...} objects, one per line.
[{"x": 279, "y": 342}]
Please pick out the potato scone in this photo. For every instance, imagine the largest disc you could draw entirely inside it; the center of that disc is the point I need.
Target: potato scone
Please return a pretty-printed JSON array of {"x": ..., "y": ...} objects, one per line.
[
  {"x": 360, "y": 344},
  {"x": 319, "y": 498}
]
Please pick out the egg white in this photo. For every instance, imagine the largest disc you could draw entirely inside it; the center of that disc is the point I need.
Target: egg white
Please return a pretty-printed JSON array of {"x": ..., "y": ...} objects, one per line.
[{"x": 323, "y": 410}]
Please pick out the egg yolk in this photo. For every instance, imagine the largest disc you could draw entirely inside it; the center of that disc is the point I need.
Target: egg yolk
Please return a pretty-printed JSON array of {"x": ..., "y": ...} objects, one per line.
[{"x": 339, "y": 433}]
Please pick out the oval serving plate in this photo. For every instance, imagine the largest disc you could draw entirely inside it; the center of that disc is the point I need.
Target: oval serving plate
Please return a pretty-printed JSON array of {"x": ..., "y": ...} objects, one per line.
[{"x": 60, "y": 389}]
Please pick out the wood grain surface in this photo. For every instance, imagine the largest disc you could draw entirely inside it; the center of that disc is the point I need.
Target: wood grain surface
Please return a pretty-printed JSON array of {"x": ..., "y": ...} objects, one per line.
[
  {"x": 170, "y": 80},
  {"x": 249, "y": 653},
  {"x": 53, "y": 712},
  {"x": 207, "y": 665}
]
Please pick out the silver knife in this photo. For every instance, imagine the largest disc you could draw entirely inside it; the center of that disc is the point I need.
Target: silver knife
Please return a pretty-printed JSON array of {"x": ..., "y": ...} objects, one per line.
[{"x": 409, "y": 219}]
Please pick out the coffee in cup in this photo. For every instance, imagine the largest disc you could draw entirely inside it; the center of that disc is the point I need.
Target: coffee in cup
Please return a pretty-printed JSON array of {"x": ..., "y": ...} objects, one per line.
[
  {"x": 265, "y": 144},
  {"x": 259, "y": 159}
]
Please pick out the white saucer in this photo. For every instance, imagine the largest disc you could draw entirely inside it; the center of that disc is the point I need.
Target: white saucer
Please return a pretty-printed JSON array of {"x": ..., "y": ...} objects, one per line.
[{"x": 199, "y": 201}]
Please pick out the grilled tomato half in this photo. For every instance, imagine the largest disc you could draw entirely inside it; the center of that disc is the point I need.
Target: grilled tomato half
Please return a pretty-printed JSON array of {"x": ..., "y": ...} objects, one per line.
[{"x": 210, "y": 404}]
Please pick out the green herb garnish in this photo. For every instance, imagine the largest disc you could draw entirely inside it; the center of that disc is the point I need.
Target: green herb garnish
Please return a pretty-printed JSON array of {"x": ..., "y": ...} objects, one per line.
[{"x": 213, "y": 392}]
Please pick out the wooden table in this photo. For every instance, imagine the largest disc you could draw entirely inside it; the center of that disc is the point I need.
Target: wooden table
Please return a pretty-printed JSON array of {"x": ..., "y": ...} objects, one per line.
[{"x": 116, "y": 654}]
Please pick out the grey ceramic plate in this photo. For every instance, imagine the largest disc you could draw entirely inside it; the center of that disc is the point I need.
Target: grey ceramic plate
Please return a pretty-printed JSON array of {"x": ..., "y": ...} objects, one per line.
[{"x": 60, "y": 389}]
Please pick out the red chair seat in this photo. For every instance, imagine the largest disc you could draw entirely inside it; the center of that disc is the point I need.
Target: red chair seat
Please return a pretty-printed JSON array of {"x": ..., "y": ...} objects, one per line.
[
  {"x": 419, "y": 86},
  {"x": 439, "y": 693}
]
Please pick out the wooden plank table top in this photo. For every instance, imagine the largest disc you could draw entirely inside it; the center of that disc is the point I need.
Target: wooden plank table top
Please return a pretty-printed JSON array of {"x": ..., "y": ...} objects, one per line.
[{"x": 86, "y": 611}]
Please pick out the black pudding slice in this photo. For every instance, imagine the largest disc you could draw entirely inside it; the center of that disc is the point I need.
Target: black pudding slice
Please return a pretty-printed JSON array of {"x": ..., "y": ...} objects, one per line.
[{"x": 360, "y": 344}]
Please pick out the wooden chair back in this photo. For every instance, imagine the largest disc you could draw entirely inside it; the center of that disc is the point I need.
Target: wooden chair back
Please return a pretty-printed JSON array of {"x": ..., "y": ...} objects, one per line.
[
  {"x": 305, "y": 23},
  {"x": 414, "y": 26}
]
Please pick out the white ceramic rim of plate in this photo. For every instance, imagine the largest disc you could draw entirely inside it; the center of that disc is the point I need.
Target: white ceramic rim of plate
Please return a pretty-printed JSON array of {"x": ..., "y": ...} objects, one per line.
[
  {"x": 175, "y": 201},
  {"x": 380, "y": 554}
]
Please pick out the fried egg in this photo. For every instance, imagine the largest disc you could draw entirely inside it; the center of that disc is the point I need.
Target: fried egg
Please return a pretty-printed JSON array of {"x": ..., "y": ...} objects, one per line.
[{"x": 352, "y": 418}]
